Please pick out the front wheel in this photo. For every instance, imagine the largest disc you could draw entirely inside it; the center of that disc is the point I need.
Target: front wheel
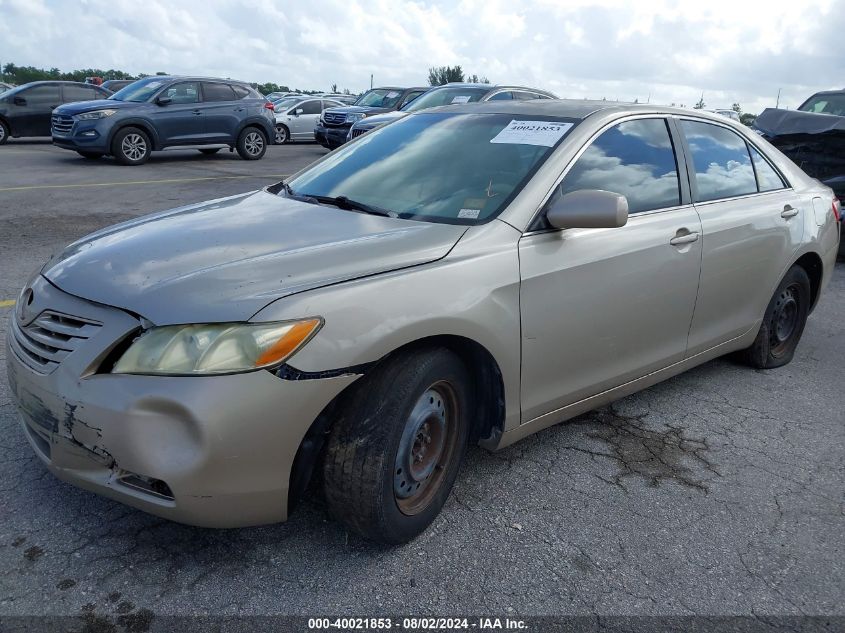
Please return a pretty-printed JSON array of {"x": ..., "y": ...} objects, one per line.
[
  {"x": 395, "y": 451},
  {"x": 252, "y": 144},
  {"x": 131, "y": 146},
  {"x": 282, "y": 134},
  {"x": 4, "y": 132},
  {"x": 783, "y": 322}
]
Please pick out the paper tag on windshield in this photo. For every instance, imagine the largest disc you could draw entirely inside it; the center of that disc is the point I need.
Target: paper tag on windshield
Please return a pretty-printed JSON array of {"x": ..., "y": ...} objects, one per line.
[
  {"x": 390, "y": 95},
  {"x": 461, "y": 99},
  {"x": 545, "y": 133},
  {"x": 471, "y": 214}
]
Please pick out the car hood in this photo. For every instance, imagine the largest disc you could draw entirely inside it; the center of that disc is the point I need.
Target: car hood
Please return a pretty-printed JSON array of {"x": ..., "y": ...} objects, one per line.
[
  {"x": 79, "y": 107},
  {"x": 227, "y": 259},
  {"x": 350, "y": 109},
  {"x": 380, "y": 119}
]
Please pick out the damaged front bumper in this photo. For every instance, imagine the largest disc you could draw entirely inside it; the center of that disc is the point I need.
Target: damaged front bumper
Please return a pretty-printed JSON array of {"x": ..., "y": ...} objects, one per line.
[{"x": 213, "y": 451}]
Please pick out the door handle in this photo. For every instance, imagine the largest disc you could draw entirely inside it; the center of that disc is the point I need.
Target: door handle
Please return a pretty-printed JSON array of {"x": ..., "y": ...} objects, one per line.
[
  {"x": 789, "y": 211},
  {"x": 686, "y": 238},
  {"x": 197, "y": 111}
]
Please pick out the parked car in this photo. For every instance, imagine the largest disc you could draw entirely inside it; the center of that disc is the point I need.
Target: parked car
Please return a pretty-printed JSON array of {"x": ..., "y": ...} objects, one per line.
[
  {"x": 275, "y": 96},
  {"x": 470, "y": 274},
  {"x": 117, "y": 84},
  {"x": 343, "y": 98},
  {"x": 333, "y": 126},
  {"x": 160, "y": 112},
  {"x": 449, "y": 94},
  {"x": 25, "y": 110},
  {"x": 813, "y": 136},
  {"x": 726, "y": 112},
  {"x": 297, "y": 116},
  {"x": 4, "y": 87}
]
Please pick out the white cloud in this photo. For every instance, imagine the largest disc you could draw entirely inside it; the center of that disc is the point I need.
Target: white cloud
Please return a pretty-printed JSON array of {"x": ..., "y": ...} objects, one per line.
[{"x": 668, "y": 51}]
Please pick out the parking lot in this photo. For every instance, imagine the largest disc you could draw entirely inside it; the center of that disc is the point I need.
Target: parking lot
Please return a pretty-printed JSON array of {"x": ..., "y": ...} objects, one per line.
[{"x": 719, "y": 492}]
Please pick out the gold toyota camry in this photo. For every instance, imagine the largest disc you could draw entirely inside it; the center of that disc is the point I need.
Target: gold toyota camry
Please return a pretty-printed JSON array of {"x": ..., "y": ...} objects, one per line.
[{"x": 467, "y": 274}]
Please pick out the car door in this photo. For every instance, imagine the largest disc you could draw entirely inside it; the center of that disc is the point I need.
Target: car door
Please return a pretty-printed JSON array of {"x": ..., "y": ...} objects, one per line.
[
  {"x": 302, "y": 119},
  {"x": 180, "y": 120},
  {"x": 601, "y": 307},
  {"x": 222, "y": 112},
  {"x": 751, "y": 222},
  {"x": 32, "y": 109}
]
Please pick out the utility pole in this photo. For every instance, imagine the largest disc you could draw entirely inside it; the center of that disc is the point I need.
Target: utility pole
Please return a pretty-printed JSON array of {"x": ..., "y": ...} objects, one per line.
[
  {"x": 371, "y": 81},
  {"x": 777, "y": 103}
]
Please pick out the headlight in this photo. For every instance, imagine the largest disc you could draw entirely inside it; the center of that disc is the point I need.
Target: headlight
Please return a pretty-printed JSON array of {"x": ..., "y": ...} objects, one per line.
[
  {"x": 352, "y": 117},
  {"x": 215, "y": 348},
  {"x": 96, "y": 114}
]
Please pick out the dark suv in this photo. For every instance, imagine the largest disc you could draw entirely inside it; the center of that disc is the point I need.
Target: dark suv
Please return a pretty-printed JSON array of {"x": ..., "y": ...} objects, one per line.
[
  {"x": 25, "y": 110},
  {"x": 334, "y": 124},
  {"x": 159, "y": 112}
]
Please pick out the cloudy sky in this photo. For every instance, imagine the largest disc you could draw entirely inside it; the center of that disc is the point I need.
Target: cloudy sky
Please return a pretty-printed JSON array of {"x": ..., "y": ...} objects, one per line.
[{"x": 731, "y": 50}]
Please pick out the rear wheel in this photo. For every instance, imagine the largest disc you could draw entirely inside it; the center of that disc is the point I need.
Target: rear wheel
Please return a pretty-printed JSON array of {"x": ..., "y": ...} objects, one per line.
[
  {"x": 783, "y": 322},
  {"x": 210, "y": 150},
  {"x": 394, "y": 453},
  {"x": 90, "y": 155},
  {"x": 131, "y": 146},
  {"x": 4, "y": 132},
  {"x": 252, "y": 143}
]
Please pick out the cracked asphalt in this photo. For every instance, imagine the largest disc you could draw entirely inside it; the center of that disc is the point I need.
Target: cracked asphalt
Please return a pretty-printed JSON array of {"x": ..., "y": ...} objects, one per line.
[{"x": 718, "y": 492}]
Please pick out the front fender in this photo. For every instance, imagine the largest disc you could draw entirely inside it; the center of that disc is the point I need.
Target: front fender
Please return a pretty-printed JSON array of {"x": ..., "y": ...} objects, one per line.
[
  {"x": 139, "y": 121},
  {"x": 472, "y": 293}
]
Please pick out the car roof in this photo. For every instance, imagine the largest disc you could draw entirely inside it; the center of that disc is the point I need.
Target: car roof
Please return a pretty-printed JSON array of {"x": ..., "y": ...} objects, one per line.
[
  {"x": 193, "y": 78},
  {"x": 55, "y": 81},
  {"x": 567, "y": 108}
]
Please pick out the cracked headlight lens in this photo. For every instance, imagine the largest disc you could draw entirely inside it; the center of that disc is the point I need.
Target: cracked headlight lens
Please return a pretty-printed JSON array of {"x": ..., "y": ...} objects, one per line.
[
  {"x": 215, "y": 348},
  {"x": 96, "y": 114}
]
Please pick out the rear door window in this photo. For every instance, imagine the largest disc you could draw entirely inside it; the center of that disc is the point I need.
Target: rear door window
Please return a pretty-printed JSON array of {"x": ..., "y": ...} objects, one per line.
[
  {"x": 71, "y": 93},
  {"x": 722, "y": 163},
  {"x": 217, "y": 92},
  {"x": 309, "y": 107},
  {"x": 634, "y": 158}
]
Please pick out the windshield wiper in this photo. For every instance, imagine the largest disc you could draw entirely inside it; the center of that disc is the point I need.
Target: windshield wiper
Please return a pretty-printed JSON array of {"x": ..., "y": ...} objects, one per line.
[{"x": 342, "y": 202}]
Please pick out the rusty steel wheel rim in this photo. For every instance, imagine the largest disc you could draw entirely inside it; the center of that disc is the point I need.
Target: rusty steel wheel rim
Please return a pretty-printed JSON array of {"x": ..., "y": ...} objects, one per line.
[
  {"x": 785, "y": 317},
  {"x": 426, "y": 448}
]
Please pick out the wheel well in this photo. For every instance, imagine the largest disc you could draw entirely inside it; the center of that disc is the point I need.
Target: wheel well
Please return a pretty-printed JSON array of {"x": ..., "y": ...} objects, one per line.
[
  {"x": 257, "y": 127},
  {"x": 488, "y": 413},
  {"x": 812, "y": 265}
]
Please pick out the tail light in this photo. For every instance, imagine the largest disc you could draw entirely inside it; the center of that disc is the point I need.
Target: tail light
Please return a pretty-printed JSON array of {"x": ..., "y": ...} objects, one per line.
[
  {"x": 269, "y": 106},
  {"x": 837, "y": 209}
]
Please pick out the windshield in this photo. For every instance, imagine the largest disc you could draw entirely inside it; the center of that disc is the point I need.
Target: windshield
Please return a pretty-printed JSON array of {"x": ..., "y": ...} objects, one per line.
[
  {"x": 139, "y": 91},
  {"x": 826, "y": 104},
  {"x": 379, "y": 98},
  {"x": 445, "y": 96},
  {"x": 447, "y": 167}
]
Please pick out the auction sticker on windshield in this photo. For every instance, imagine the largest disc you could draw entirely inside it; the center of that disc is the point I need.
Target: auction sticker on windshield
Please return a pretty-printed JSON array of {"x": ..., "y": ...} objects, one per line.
[
  {"x": 461, "y": 99},
  {"x": 545, "y": 133}
]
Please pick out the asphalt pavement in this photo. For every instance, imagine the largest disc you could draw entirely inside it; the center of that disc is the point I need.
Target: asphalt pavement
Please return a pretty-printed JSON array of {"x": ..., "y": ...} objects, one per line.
[{"x": 718, "y": 492}]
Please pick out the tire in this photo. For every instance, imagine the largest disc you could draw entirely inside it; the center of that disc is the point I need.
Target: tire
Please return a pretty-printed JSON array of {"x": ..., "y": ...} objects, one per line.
[
  {"x": 282, "y": 134},
  {"x": 783, "y": 322},
  {"x": 208, "y": 151},
  {"x": 4, "y": 132},
  {"x": 131, "y": 146},
  {"x": 415, "y": 404},
  {"x": 252, "y": 143},
  {"x": 90, "y": 155}
]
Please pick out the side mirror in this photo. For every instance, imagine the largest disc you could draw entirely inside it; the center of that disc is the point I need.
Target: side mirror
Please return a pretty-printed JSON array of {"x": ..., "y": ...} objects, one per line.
[
  {"x": 19, "y": 101},
  {"x": 588, "y": 209},
  {"x": 163, "y": 101}
]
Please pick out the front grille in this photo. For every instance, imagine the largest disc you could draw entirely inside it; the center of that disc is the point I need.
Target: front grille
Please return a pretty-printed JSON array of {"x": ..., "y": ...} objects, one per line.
[
  {"x": 357, "y": 133},
  {"x": 334, "y": 118},
  {"x": 45, "y": 342},
  {"x": 62, "y": 124}
]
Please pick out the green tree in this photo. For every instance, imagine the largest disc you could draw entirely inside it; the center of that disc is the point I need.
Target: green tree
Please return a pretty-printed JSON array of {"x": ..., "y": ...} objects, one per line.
[
  {"x": 334, "y": 89},
  {"x": 747, "y": 118},
  {"x": 737, "y": 108},
  {"x": 440, "y": 75},
  {"x": 475, "y": 79},
  {"x": 700, "y": 105}
]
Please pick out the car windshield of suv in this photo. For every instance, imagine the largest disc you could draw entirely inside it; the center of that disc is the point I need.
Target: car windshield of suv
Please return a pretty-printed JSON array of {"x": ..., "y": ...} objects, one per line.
[
  {"x": 826, "y": 104},
  {"x": 455, "y": 168},
  {"x": 445, "y": 96},
  {"x": 379, "y": 98},
  {"x": 139, "y": 91}
]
